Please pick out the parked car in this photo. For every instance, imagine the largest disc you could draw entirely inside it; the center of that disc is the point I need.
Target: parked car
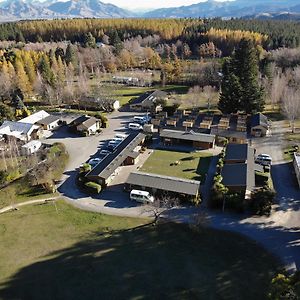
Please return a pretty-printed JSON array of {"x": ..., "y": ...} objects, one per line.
[
  {"x": 135, "y": 126},
  {"x": 94, "y": 161},
  {"x": 139, "y": 119},
  {"x": 104, "y": 152},
  {"x": 264, "y": 159},
  {"x": 141, "y": 196},
  {"x": 120, "y": 136},
  {"x": 117, "y": 140},
  {"x": 113, "y": 144}
]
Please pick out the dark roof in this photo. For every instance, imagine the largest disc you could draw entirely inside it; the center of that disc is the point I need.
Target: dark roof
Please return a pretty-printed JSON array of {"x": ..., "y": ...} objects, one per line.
[
  {"x": 109, "y": 164},
  {"x": 239, "y": 175},
  {"x": 187, "y": 135},
  {"x": 228, "y": 133},
  {"x": 151, "y": 96},
  {"x": 166, "y": 183},
  {"x": 79, "y": 120},
  {"x": 48, "y": 120},
  {"x": 140, "y": 99},
  {"x": 259, "y": 119},
  {"x": 237, "y": 152}
]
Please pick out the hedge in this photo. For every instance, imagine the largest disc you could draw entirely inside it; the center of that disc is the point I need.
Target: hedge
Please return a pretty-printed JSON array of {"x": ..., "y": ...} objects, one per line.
[{"x": 93, "y": 187}]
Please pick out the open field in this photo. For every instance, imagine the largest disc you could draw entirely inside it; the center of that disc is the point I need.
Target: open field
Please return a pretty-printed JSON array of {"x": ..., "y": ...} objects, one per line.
[
  {"x": 124, "y": 93},
  {"x": 79, "y": 255},
  {"x": 191, "y": 165}
]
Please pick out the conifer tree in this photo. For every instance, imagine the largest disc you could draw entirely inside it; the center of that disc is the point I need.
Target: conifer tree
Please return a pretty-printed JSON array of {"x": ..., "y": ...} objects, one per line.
[
  {"x": 245, "y": 67},
  {"x": 89, "y": 41},
  {"x": 70, "y": 56},
  {"x": 231, "y": 90},
  {"x": 45, "y": 70}
]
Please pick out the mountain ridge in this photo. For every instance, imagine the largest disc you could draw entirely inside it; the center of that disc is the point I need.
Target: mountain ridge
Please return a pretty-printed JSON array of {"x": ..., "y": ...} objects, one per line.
[{"x": 13, "y": 10}]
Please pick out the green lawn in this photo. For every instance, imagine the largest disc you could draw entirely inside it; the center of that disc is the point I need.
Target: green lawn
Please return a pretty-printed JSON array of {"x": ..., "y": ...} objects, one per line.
[
  {"x": 192, "y": 165},
  {"x": 79, "y": 255},
  {"x": 124, "y": 93}
]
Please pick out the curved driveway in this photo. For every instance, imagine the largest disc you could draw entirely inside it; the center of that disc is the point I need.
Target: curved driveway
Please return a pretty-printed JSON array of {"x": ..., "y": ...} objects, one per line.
[{"x": 280, "y": 233}]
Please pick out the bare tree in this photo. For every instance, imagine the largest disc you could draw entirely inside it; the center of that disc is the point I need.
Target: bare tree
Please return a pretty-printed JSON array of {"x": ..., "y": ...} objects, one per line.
[
  {"x": 209, "y": 92},
  {"x": 291, "y": 105},
  {"x": 160, "y": 206},
  {"x": 277, "y": 88},
  {"x": 194, "y": 96}
]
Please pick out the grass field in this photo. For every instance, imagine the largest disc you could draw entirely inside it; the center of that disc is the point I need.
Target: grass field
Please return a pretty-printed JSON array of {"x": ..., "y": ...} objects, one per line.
[
  {"x": 191, "y": 165},
  {"x": 79, "y": 255},
  {"x": 124, "y": 93}
]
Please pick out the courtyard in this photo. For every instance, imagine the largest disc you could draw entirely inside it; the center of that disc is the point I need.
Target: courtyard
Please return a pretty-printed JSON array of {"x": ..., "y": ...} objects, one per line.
[{"x": 187, "y": 165}]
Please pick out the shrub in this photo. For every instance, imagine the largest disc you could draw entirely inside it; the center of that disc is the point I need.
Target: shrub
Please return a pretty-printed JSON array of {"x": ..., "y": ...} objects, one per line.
[
  {"x": 93, "y": 187},
  {"x": 285, "y": 287},
  {"x": 261, "y": 201},
  {"x": 85, "y": 168},
  {"x": 261, "y": 179},
  {"x": 235, "y": 201}
]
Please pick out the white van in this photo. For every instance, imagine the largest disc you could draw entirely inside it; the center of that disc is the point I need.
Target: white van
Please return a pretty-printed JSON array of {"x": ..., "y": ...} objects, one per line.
[
  {"x": 135, "y": 126},
  {"x": 264, "y": 159},
  {"x": 141, "y": 196},
  {"x": 140, "y": 120}
]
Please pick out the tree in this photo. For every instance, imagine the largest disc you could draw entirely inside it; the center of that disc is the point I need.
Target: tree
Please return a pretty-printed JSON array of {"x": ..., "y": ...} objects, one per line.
[
  {"x": 208, "y": 92},
  {"x": 291, "y": 105},
  {"x": 45, "y": 70},
  {"x": 59, "y": 52},
  {"x": 29, "y": 68},
  {"x": 160, "y": 206},
  {"x": 261, "y": 201},
  {"x": 5, "y": 81},
  {"x": 70, "y": 56},
  {"x": 6, "y": 112},
  {"x": 277, "y": 88},
  {"x": 22, "y": 78},
  {"x": 284, "y": 287},
  {"x": 194, "y": 96},
  {"x": 89, "y": 41},
  {"x": 245, "y": 67},
  {"x": 231, "y": 91}
]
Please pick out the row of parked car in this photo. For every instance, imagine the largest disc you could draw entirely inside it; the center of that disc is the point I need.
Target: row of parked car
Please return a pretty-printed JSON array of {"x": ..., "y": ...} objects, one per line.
[
  {"x": 110, "y": 147},
  {"x": 138, "y": 122}
]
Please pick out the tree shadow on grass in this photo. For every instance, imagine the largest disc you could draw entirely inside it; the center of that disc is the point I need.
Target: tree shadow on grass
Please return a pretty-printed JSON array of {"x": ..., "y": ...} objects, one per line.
[{"x": 168, "y": 261}]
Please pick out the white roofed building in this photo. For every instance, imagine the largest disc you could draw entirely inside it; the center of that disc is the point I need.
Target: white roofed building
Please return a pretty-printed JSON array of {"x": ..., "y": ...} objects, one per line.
[
  {"x": 21, "y": 131},
  {"x": 36, "y": 117}
]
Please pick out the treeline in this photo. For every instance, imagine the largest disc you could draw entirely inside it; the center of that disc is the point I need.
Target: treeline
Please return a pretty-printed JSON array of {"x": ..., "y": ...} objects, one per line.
[
  {"x": 224, "y": 33},
  {"x": 280, "y": 33}
]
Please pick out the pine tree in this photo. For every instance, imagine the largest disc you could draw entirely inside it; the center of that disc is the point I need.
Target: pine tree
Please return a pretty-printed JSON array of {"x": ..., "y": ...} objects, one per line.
[
  {"x": 231, "y": 91},
  {"x": 89, "y": 41},
  {"x": 45, "y": 70},
  {"x": 70, "y": 56},
  {"x": 245, "y": 67}
]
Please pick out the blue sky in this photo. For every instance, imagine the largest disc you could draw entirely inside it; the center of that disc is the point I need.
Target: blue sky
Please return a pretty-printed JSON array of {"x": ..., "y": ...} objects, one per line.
[{"x": 134, "y": 4}]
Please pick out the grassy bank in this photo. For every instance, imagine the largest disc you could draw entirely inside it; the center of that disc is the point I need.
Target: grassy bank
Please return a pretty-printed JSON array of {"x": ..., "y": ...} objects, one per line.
[{"x": 71, "y": 254}]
